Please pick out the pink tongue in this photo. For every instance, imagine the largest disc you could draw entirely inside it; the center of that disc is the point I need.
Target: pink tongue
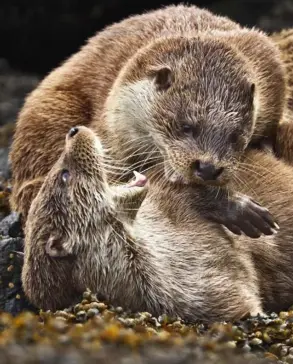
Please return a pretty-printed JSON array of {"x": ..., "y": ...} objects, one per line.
[{"x": 140, "y": 180}]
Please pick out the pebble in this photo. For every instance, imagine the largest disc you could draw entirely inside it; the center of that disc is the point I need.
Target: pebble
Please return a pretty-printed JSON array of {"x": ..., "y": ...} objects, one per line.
[
  {"x": 92, "y": 312},
  {"x": 92, "y": 326},
  {"x": 255, "y": 342},
  {"x": 81, "y": 316}
]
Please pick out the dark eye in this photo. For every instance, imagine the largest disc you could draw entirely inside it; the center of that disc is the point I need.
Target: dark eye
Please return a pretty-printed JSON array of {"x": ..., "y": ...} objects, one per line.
[
  {"x": 234, "y": 137},
  {"x": 65, "y": 175},
  {"x": 189, "y": 130}
]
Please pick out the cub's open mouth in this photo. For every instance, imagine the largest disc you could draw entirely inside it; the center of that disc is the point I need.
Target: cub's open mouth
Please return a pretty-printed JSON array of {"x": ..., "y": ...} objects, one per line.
[{"x": 139, "y": 180}]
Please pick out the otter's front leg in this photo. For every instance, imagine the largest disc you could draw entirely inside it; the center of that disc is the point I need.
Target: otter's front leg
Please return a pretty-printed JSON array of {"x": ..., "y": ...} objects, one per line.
[{"x": 236, "y": 211}]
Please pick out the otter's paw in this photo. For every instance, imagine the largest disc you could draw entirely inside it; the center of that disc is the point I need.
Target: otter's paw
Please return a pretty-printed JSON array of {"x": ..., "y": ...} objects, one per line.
[{"x": 247, "y": 216}]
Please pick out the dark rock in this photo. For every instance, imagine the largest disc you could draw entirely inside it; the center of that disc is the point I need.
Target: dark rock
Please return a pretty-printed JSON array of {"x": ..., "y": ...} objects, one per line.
[
  {"x": 4, "y": 168},
  {"x": 12, "y": 298},
  {"x": 14, "y": 86},
  {"x": 15, "y": 228},
  {"x": 8, "y": 223}
]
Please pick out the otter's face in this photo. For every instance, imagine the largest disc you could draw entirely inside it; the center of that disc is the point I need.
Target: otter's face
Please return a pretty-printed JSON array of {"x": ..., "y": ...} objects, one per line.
[
  {"x": 74, "y": 197},
  {"x": 75, "y": 204},
  {"x": 193, "y": 101},
  {"x": 202, "y": 129}
]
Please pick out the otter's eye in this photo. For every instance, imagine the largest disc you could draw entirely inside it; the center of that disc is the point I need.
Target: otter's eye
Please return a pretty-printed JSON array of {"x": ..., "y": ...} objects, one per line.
[
  {"x": 234, "y": 137},
  {"x": 189, "y": 130},
  {"x": 65, "y": 175}
]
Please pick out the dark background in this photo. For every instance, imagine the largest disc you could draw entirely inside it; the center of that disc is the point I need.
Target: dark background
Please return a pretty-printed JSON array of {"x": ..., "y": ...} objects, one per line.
[{"x": 37, "y": 34}]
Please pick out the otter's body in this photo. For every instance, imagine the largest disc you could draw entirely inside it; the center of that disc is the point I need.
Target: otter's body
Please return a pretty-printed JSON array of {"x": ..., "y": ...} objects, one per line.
[
  {"x": 284, "y": 140},
  {"x": 165, "y": 258},
  {"x": 178, "y": 86}
]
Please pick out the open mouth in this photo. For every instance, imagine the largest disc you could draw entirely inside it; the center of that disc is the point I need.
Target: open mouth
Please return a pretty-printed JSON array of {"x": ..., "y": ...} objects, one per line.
[{"x": 139, "y": 180}]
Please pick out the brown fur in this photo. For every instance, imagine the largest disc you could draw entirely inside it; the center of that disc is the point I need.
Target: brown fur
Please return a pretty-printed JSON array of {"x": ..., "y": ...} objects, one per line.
[
  {"x": 284, "y": 141},
  {"x": 139, "y": 81},
  {"x": 76, "y": 238}
]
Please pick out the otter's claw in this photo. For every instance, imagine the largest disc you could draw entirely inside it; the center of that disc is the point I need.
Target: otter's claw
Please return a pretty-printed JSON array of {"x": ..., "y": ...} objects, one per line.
[{"x": 247, "y": 216}]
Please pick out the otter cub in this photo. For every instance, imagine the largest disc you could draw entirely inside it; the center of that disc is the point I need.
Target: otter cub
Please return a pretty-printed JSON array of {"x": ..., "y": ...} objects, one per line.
[
  {"x": 178, "y": 86},
  {"x": 77, "y": 238}
]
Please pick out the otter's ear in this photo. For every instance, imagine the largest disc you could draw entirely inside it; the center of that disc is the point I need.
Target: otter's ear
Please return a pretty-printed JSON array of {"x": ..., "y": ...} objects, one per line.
[
  {"x": 55, "y": 248},
  {"x": 163, "y": 77}
]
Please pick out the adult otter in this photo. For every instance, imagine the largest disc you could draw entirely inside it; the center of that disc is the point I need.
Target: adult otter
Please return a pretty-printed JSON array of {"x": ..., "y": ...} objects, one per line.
[
  {"x": 178, "y": 86},
  {"x": 76, "y": 238}
]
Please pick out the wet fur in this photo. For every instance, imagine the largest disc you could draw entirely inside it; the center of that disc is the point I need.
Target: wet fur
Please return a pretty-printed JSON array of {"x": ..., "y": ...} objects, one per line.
[{"x": 166, "y": 258}]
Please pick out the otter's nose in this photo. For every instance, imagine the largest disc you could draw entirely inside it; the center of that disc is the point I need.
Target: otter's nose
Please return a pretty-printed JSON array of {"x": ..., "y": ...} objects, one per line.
[
  {"x": 206, "y": 171},
  {"x": 72, "y": 132}
]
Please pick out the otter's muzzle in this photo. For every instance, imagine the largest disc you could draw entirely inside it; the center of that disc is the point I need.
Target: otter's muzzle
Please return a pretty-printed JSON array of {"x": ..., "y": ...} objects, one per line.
[{"x": 206, "y": 170}]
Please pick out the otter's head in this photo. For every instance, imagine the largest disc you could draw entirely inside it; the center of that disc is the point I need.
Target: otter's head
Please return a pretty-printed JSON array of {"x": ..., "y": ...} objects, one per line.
[
  {"x": 73, "y": 196},
  {"x": 192, "y": 100},
  {"x": 70, "y": 217},
  {"x": 76, "y": 199}
]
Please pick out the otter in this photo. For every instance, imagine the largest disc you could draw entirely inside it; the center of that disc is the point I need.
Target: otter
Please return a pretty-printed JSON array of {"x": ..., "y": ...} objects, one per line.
[
  {"x": 177, "y": 86},
  {"x": 78, "y": 236}
]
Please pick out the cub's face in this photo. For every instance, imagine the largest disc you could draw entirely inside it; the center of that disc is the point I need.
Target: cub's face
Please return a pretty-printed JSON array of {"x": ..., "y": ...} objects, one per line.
[{"x": 75, "y": 203}]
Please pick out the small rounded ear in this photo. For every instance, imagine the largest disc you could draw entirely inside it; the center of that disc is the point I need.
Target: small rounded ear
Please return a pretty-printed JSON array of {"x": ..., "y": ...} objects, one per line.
[
  {"x": 55, "y": 248},
  {"x": 163, "y": 77}
]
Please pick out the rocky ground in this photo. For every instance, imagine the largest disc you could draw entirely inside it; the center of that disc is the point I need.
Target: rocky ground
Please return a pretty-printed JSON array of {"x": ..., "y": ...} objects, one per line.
[{"x": 92, "y": 331}]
